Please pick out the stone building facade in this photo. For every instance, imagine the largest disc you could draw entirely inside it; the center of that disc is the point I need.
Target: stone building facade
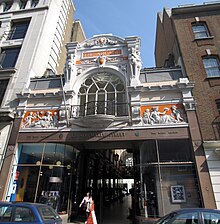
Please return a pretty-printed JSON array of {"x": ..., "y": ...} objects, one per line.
[
  {"x": 32, "y": 44},
  {"x": 104, "y": 121}
]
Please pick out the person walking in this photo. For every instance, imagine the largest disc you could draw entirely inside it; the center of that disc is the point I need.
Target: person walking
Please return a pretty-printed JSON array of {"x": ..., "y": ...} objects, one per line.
[{"x": 86, "y": 203}]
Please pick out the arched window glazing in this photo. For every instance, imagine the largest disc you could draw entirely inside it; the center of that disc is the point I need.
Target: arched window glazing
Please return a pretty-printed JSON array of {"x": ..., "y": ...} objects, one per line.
[{"x": 102, "y": 93}]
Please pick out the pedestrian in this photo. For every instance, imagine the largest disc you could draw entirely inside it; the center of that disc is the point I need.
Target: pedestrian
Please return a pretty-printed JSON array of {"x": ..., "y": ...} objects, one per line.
[
  {"x": 86, "y": 203},
  {"x": 92, "y": 217}
]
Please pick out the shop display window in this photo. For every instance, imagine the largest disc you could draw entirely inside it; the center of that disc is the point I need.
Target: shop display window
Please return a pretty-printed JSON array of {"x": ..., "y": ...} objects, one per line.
[
  {"x": 168, "y": 177},
  {"x": 44, "y": 173}
]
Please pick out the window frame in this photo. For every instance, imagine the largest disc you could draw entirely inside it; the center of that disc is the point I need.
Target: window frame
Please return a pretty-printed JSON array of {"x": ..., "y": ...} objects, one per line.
[
  {"x": 205, "y": 33},
  {"x": 29, "y": 211},
  {"x": 7, "y": 6},
  {"x": 3, "y": 87},
  {"x": 6, "y": 57},
  {"x": 218, "y": 105},
  {"x": 23, "y": 4},
  {"x": 34, "y": 3},
  {"x": 102, "y": 93},
  {"x": 18, "y": 29},
  {"x": 211, "y": 215},
  {"x": 7, "y": 208},
  {"x": 209, "y": 68}
]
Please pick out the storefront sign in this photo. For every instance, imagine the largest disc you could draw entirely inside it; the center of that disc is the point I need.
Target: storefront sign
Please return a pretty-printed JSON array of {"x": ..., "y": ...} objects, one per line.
[
  {"x": 102, "y": 53},
  {"x": 125, "y": 135}
]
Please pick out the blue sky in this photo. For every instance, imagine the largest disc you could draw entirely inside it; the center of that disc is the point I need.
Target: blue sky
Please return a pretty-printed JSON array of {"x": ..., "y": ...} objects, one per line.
[{"x": 124, "y": 18}]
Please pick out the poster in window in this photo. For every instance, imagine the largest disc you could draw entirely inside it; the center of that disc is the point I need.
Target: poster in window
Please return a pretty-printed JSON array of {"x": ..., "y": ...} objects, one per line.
[{"x": 178, "y": 194}]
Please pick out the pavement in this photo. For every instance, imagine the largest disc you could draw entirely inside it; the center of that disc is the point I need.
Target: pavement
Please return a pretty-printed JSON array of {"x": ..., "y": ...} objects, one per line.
[
  {"x": 138, "y": 221},
  {"x": 116, "y": 213}
]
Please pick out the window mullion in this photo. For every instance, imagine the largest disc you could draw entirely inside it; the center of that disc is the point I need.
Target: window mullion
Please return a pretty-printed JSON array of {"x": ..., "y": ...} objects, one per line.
[
  {"x": 86, "y": 102},
  {"x": 116, "y": 102},
  {"x": 96, "y": 101},
  {"x": 105, "y": 102}
]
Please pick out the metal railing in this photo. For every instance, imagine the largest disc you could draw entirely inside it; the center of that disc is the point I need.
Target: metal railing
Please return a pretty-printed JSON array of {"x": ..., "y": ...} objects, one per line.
[{"x": 100, "y": 108}]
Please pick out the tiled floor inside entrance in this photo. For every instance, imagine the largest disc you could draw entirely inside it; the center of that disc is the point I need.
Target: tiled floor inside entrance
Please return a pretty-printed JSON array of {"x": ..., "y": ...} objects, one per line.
[{"x": 117, "y": 212}]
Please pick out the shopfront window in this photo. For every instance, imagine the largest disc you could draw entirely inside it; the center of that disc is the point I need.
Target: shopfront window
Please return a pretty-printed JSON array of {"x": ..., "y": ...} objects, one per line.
[
  {"x": 44, "y": 173},
  {"x": 168, "y": 177}
]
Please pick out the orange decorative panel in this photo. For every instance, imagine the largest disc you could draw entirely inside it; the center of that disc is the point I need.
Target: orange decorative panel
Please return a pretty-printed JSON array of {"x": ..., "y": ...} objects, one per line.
[
  {"x": 40, "y": 119},
  {"x": 101, "y": 53},
  {"x": 163, "y": 114}
]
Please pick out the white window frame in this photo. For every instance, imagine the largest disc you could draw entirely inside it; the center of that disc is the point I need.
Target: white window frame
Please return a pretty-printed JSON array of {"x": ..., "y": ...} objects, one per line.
[
  {"x": 200, "y": 34},
  {"x": 212, "y": 66},
  {"x": 108, "y": 80}
]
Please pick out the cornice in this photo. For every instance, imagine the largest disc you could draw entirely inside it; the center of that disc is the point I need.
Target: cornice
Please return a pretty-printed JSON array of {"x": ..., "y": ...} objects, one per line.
[{"x": 195, "y": 9}]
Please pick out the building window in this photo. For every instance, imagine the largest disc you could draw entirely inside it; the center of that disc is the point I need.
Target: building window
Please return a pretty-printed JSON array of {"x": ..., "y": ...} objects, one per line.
[
  {"x": 218, "y": 105},
  {"x": 3, "y": 86},
  {"x": 8, "y": 57},
  {"x": 18, "y": 30},
  {"x": 200, "y": 30},
  {"x": 34, "y": 3},
  {"x": 102, "y": 93},
  {"x": 55, "y": 162},
  {"x": 167, "y": 165},
  {"x": 216, "y": 123},
  {"x": 23, "y": 4},
  {"x": 7, "y": 6},
  {"x": 211, "y": 65}
]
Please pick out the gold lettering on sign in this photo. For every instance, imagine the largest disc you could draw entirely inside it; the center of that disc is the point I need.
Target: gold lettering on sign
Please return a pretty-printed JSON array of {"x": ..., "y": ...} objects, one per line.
[
  {"x": 101, "y": 53},
  {"x": 97, "y": 135}
]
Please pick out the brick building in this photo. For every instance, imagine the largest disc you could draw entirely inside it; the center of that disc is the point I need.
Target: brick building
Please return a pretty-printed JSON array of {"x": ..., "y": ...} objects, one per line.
[{"x": 188, "y": 36}]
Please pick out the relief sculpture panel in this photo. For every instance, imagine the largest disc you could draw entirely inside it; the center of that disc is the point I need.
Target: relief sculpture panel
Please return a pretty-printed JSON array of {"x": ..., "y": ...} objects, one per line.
[{"x": 163, "y": 114}]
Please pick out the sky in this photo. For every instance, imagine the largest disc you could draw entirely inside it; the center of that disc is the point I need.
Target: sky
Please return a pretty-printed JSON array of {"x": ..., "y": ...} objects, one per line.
[{"x": 125, "y": 18}]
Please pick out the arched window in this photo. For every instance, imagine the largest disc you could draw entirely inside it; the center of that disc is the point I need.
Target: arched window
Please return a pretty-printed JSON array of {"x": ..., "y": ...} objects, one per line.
[
  {"x": 200, "y": 30},
  {"x": 7, "y": 6},
  {"x": 102, "y": 93},
  {"x": 211, "y": 64},
  {"x": 34, "y": 3},
  {"x": 23, "y": 4}
]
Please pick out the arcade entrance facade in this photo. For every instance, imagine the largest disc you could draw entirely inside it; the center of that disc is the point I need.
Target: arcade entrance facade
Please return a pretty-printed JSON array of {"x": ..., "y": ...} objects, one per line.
[
  {"x": 159, "y": 174},
  {"x": 107, "y": 126}
]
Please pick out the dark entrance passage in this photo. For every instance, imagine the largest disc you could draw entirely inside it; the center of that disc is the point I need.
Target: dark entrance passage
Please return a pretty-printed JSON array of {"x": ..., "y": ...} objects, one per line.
[
  {"x": 109, "y": 177},
  {"x": 118, "y": 212},
  {"x": 151, "y": 175}
]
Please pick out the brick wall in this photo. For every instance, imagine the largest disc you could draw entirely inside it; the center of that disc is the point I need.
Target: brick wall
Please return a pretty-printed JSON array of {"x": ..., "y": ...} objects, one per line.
[{"x": 206, "y": 91}]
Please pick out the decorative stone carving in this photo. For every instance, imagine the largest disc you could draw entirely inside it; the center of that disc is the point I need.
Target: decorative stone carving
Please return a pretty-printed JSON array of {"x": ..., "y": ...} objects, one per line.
[
  {"x": 177, "y": 114},
  {"x": 75, "y": 112},
  {"x": 79, "y": 71},
  {"x": 42, "y": 119},
  {"x": 170, "y": 115},
  {"x": 101, "y": 41},
  {"x": 135, "y": 63},
  {"x": 69, "y": 67},
  {"x": 101, "y": 60},
  {"x": 123, "y": 68}
]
